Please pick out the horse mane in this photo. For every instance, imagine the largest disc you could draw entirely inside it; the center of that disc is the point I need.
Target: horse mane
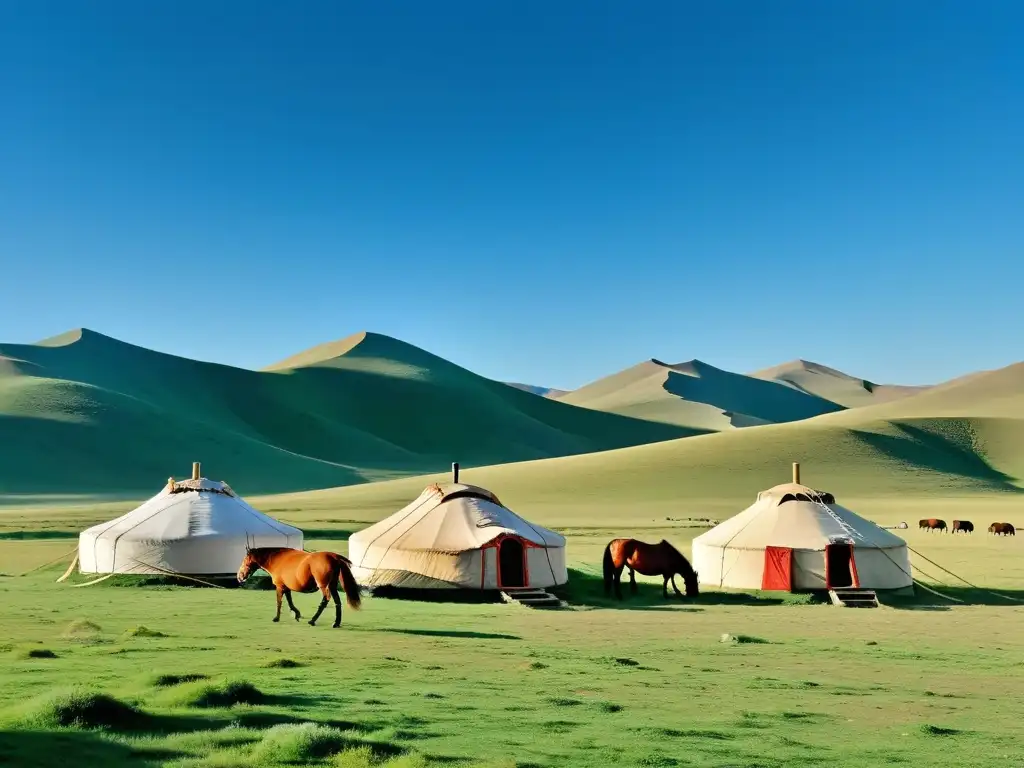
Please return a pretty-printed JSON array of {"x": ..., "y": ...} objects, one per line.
[{"x": 686, "y": 567}]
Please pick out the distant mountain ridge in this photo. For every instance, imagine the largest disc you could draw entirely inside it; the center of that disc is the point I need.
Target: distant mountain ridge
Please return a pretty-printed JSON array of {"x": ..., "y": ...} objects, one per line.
[
  {"x": 831, "y": 384},
  {"x": 83, "y": 413},
  {"x": 698, "y": 396},
  {"x": 86, "y": 413}
]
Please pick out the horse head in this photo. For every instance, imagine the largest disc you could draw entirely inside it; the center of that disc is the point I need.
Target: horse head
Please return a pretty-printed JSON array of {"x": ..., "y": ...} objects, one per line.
[
  {"x": 689, "y": 575},
  {"x": 249, "y": 562},
  {"x": 692, "y": 589}
]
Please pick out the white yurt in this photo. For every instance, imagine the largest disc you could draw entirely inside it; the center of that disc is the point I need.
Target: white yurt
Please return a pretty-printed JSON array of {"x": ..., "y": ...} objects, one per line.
[
  {"x": 797, "y": 538},
  {"x": 457, "y": 536},
  {"x": 192, "y": 527}
]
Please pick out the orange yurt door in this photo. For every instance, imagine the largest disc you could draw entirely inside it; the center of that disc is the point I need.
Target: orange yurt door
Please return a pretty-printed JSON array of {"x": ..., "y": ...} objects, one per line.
[{"x": 778, "y": 569}]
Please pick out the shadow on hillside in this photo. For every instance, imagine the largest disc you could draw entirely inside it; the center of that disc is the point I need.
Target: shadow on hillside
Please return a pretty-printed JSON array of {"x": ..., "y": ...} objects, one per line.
[
  {"x": 587, "y": 589},
  {"x": 935, "y": 450},
  {"x": 923, "y": 600}
]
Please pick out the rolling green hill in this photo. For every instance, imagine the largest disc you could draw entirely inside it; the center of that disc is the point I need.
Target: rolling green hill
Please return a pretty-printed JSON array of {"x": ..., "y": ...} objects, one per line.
[
  {"x": 86, "y": 414},
  {"x": 698, "y": 396},
  {"x": 830, "y": 384},
  {"x": 964, "y": 439}
]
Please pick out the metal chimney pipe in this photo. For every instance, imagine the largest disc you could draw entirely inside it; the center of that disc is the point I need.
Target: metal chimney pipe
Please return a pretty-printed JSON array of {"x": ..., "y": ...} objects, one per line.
[
  {"x": 195, "y": 470},
  {"x": 455, "y": 471},
  {"x": 796, "y": 472}
]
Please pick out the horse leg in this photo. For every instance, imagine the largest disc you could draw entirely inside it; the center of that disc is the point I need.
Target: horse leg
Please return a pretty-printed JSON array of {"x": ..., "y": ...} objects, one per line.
[
  {"x": 664, "y": 587},
  {"x": 632, "y": 581},
  {"x": 323, "y": 604},
  {"x": 280, "y": 592},
  {"x": 288, "y": 597},
  {"x": 675, "y": 587},
  {"x": 337, "y": 605},
  {"x": 618, "y": 583}
]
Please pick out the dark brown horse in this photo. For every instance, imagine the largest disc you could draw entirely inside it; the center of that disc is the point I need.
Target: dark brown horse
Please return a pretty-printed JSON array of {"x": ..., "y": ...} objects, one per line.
[
  {"x": 1002, "y": 529},
  {"x": 294, "y": 570},
  {"x": 933, "y": 524},
  {"x": 660, "y": 559},
  {"x": 964, "y": 526}
]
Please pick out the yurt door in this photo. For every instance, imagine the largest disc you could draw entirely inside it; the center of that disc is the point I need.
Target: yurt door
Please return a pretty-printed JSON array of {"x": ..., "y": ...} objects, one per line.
[
  {"x": 840, "y": 568},
  {"x": 511, "y": 563},
  {"x": 778, "y": 569}
]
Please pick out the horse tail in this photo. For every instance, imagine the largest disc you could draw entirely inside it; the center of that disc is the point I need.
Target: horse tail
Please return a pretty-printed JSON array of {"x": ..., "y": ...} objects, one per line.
[
  {"x": 609, "y": 569},
  {"x": 348, "y": 582}
]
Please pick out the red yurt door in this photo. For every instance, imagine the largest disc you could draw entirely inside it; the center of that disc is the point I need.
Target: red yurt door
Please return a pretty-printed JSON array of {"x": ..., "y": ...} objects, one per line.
[{"x": 778, "y": 569}]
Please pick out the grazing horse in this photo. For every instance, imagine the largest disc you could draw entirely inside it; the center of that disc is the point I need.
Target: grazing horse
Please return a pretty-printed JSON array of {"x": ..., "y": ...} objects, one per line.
[
  {"x": 294, "y": 570},
  {"x": 660, "y": 559},
  {"x": 1002, "y": 529},
  {"x": 933, "y": 524},
  {"x": 964, "y": 526}
]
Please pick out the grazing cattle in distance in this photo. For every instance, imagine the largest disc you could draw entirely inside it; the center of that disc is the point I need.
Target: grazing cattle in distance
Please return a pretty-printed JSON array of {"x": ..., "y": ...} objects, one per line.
[
  {"x": 933, "y": 524},
  {"x": 964, "y": 526},
  {"x": 1002, "y": 529}
]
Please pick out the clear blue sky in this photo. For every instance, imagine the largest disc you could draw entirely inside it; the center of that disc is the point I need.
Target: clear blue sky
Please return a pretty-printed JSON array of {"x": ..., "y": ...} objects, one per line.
[{"x": 540, "y": 191}]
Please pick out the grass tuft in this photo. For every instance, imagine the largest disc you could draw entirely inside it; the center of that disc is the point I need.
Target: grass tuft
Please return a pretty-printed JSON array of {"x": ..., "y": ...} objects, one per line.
[
  {"x": 79, "y": 708},
  {"x": 218, "y": 695},
  {"x": 741, "y": 639},
  {"x": 166, "y": 681},
  {"x": 81, "y": 630},
  {"x": 144, "y": 631},
  {"x": 36, "y": 653},
  {"x": 936, "y": 730},
  {"x": 283, "y": 663}
]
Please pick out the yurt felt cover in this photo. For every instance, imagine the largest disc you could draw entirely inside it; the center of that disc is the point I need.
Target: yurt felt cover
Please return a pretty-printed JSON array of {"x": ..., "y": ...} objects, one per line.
[
  {"x": 732, "y": 554},
  {"x": 446, "y": 537},
  {"x": 195, "y": 527}
]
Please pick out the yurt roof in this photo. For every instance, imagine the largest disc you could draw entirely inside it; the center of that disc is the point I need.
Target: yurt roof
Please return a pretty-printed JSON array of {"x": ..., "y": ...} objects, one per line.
[
  {"x": 452, "y": 518},
  {"x": 191, "y": 508},
  {"x": 791, "y": 515}
]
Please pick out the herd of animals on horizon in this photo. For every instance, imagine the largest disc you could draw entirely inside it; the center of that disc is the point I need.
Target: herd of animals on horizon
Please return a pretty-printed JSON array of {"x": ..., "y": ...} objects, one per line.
[{"x": 964, "y": 526}]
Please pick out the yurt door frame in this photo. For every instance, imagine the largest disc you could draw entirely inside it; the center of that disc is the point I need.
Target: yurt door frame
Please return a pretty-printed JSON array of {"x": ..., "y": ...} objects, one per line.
[
  {"x": 778, "y": 569},
  {"x": 840, "y": 566},
  {"x": 497, "y": 546}
]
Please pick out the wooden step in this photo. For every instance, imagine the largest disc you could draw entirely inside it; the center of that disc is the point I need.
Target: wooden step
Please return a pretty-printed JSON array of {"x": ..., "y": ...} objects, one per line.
[
  {"x": 535, "y": 598},
  {"x": 854, "y": 598}
]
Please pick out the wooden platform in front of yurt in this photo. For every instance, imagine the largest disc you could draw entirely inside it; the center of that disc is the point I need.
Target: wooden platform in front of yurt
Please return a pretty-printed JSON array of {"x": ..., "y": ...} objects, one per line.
[{"x": 534, "y": 598}]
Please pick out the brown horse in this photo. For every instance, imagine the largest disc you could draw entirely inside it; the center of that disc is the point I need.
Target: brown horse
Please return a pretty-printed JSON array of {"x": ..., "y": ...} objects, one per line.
[
  {"x": 660, "y": 559},
  {"x": 964, "y": 526},
  {"x": 1002, "y": 529},
  {"x": 933, "y": 524},
  {"x": 294, "y": 570}
]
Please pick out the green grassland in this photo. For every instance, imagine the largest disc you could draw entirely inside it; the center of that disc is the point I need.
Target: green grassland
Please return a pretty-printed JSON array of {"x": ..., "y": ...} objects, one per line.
[
  {"x": 645, "y": 683},
  {"x": 84, "y": 414}
]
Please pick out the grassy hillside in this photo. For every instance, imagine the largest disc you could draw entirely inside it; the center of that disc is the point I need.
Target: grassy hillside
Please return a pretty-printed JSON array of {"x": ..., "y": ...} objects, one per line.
[
  {"x": 84, "y": 413},
  {"x": 963, "y": 440},
  {"x": 830, "y": 384},
  {"x": 698, "y": 396}
]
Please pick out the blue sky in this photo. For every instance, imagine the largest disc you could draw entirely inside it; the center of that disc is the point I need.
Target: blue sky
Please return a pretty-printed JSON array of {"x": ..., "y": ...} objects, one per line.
[{"x": 545, "y": 192}]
